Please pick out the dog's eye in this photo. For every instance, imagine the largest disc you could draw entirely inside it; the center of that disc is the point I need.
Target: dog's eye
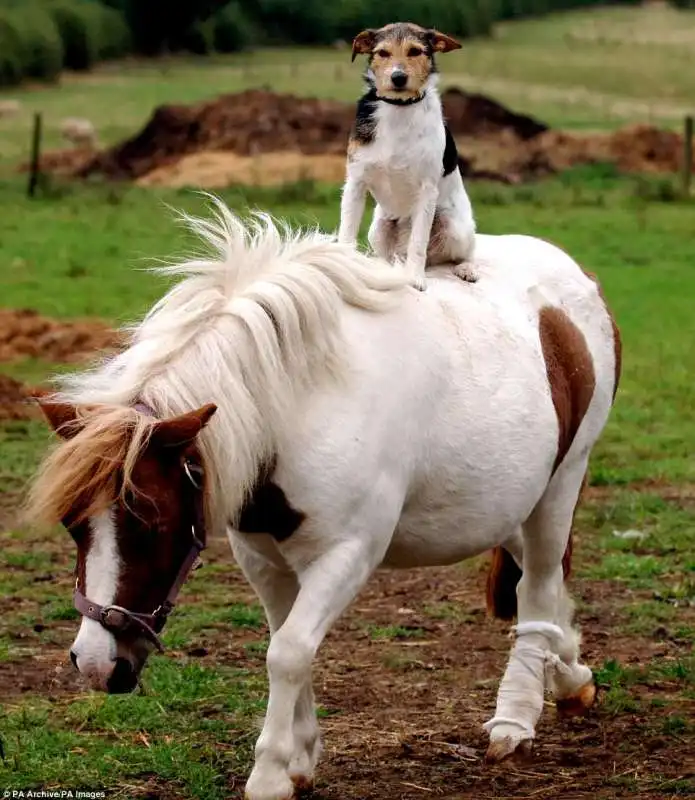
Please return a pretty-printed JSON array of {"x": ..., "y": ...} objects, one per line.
[
  {"x": 383, "y": 53},
  {"x": 414, "y": 52}
]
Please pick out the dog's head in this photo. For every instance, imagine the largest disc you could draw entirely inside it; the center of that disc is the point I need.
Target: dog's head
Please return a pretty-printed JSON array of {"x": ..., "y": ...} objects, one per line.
[{"x": 401, "y": 56}]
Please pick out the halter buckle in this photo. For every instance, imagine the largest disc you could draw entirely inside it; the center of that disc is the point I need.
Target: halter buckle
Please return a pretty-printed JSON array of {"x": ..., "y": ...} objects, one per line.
[{"x": 122, "y": 621}]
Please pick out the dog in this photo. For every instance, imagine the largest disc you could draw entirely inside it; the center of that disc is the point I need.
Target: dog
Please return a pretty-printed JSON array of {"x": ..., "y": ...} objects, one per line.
[{"x": 402, "y": 153}]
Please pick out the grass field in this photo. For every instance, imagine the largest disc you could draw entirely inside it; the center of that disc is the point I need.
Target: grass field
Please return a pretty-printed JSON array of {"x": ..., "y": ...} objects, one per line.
[
  {"x": 575, "y": 70},
  {"x": 409, "y": 675}
]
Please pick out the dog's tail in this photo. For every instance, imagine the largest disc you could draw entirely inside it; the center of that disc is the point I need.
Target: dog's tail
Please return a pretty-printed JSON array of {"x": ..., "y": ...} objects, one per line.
[{"x": 503, "y": 576}]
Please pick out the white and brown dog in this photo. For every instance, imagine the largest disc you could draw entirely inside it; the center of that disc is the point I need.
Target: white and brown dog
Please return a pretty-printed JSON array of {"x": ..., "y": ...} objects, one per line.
[{"x": 403, "y": 154}]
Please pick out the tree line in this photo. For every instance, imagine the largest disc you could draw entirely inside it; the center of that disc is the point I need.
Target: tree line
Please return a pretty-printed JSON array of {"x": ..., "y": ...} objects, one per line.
[{"x": 39, "y": 38}]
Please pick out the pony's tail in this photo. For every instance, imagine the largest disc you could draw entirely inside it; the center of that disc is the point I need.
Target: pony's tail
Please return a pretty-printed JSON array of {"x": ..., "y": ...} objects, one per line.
[{"x": 503, "y": 576}]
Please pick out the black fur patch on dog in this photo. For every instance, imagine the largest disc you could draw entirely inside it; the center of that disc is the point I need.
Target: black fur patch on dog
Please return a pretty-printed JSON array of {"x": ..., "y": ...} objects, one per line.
[
  {"x": 451, "y": 156},
  {"x": 364, "y": 127}
]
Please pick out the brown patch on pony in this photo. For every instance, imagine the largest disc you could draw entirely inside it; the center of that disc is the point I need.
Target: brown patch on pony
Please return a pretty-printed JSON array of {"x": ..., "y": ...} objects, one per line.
[
  {"x": 570, "y": 372},
  {"x": 617, "y": 340},
  {"x": 154, "y": 523}
]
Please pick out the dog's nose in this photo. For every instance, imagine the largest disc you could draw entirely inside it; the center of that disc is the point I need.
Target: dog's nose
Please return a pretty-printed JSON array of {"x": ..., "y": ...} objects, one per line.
[
  {"x": 399, "y": 79},
  {"x": 123, "y": 679}
]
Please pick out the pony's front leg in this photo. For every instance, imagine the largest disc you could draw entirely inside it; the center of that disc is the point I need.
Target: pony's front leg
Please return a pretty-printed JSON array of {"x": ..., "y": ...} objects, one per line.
[
  {"x": 328, "y": 585},
  {"x": 277, "y": 588},
  {"x": 542, "y": 615}
]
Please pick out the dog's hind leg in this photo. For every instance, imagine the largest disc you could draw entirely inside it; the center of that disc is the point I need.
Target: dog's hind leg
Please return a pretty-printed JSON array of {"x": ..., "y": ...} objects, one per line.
[
  {"x": 383, "y": 235},
  {"x": 452, "y": 242}
]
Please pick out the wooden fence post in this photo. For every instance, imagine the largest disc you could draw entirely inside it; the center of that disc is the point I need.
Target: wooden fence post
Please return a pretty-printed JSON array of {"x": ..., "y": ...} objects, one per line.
[
  {"x": 35, "y": 165},
  {"x": 687, "y": 155}
]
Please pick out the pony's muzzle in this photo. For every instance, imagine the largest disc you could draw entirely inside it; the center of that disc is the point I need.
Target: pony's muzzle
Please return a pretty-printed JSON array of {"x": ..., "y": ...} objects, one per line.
[
  {"x": 123, "y": 678},
  {"x": 114, "y": 676}
]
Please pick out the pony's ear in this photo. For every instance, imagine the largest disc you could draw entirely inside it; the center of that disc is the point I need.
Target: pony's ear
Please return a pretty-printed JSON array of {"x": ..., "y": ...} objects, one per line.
[
  {"x": 180, "y": 431},
  {"x": 363, "y": 43},
  {"x": 62, "y": 417},
  {"x": 441, "y": 43}
]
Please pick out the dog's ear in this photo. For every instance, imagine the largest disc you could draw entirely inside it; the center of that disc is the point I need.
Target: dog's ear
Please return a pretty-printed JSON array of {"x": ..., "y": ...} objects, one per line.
[
  {"x": 441, "y": 43},
  {"x": 363, "y": 42}
]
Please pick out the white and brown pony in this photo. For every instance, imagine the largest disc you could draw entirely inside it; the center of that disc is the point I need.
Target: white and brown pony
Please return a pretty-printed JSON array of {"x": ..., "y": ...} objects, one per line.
[{"x": 357, "y": 424}]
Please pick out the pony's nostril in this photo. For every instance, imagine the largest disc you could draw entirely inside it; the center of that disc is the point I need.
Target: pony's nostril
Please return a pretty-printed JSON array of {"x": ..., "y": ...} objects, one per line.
[
  {"x": 73, "y": 658},
  {"x": 123, "y": 679}
]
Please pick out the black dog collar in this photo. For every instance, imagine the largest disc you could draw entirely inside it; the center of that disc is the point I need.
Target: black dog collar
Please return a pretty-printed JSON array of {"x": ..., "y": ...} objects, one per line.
[{"x": 406, "y": 101}]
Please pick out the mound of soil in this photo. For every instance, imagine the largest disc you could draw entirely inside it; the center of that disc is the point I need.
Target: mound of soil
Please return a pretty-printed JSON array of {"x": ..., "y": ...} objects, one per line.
[
  {"x": 259, "y": 137},
  {"x": 479, "y": 115},
  {"x": 257, "y": 121},
  {"x": 25, "y": 333},
  {"x": 15, "y": 400}
]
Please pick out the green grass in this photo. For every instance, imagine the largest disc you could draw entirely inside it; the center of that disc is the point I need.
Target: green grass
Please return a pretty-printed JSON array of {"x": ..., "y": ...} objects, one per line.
[
  {"x": 578, "y": 69},
  {"x": 381, "y": 632},
  {"x": 184, "y": 729}
]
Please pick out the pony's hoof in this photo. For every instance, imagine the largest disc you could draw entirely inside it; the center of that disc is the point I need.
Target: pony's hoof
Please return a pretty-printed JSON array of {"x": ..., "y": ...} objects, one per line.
[
  {"x": 508, "y": 747},
  {"x": 577, "y": 705},
  {"x": 267, "y": 787}
]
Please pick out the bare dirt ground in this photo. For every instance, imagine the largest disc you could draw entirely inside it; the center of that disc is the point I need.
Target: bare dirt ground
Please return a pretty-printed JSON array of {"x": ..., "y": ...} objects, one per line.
[
  {"x": 14, "y": 399},
  {"x": 403, "y": 713},
  {"x": 25, "y": 333}
]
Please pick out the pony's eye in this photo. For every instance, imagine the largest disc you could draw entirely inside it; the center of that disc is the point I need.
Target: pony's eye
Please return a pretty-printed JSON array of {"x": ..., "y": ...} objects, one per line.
[
  {"x": 383, "y": 53},
  {"x": 414, "y": 52}
]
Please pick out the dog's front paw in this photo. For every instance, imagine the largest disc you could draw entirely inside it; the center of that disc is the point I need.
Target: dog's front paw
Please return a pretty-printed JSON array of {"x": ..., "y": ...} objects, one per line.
[
  {"x": 419, "y": 283},
  {"x": 466, "y": 273}
]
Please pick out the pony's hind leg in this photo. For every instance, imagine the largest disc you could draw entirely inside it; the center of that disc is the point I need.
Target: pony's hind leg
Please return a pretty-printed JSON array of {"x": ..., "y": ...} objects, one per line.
[
  {"x": 572, "y": 683},
  {"x": 545, "y": 643}
]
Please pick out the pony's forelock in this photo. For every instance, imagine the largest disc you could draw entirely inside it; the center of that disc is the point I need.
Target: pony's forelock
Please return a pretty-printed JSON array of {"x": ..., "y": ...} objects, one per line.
[{"x": 77, "y": 479}]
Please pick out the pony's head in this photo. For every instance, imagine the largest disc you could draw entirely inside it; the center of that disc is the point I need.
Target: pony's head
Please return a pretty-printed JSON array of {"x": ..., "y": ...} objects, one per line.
[{"x": 130, "y": 489}]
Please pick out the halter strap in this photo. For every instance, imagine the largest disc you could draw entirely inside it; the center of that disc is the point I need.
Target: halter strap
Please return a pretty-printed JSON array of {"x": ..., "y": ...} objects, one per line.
[{"x": 118, "y": 619}]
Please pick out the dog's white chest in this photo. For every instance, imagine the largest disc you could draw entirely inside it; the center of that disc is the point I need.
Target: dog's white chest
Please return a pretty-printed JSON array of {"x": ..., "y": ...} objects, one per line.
[{"x": 406, "y": 152}]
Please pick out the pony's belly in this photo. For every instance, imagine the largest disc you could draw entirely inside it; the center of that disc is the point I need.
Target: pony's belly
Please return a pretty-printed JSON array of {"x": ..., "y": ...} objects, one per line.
[{"x": 432, "y": 539}]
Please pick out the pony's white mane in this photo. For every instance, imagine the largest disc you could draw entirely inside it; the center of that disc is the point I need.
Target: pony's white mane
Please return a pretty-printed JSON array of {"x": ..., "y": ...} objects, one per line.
[{"x": 249, "y": 329}]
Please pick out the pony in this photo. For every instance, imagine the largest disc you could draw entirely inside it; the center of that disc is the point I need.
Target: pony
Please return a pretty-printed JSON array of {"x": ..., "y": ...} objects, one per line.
[{"x": 299, "y": 396}]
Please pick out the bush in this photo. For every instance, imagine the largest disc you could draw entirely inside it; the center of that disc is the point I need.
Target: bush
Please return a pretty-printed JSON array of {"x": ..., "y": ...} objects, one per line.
[
  {"x": 232, "y": 30},
  {"x": 11, "y": 71},
  {"x": 198, "y": 39},
  {"x": 79, "y": 25},
  {"x": 40, "y": 47},
  {"x": 114, "y": 36}
]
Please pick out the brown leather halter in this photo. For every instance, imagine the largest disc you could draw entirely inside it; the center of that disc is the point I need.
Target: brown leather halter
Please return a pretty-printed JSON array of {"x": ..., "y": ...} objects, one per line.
[{"x": 117, "y": 619}]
